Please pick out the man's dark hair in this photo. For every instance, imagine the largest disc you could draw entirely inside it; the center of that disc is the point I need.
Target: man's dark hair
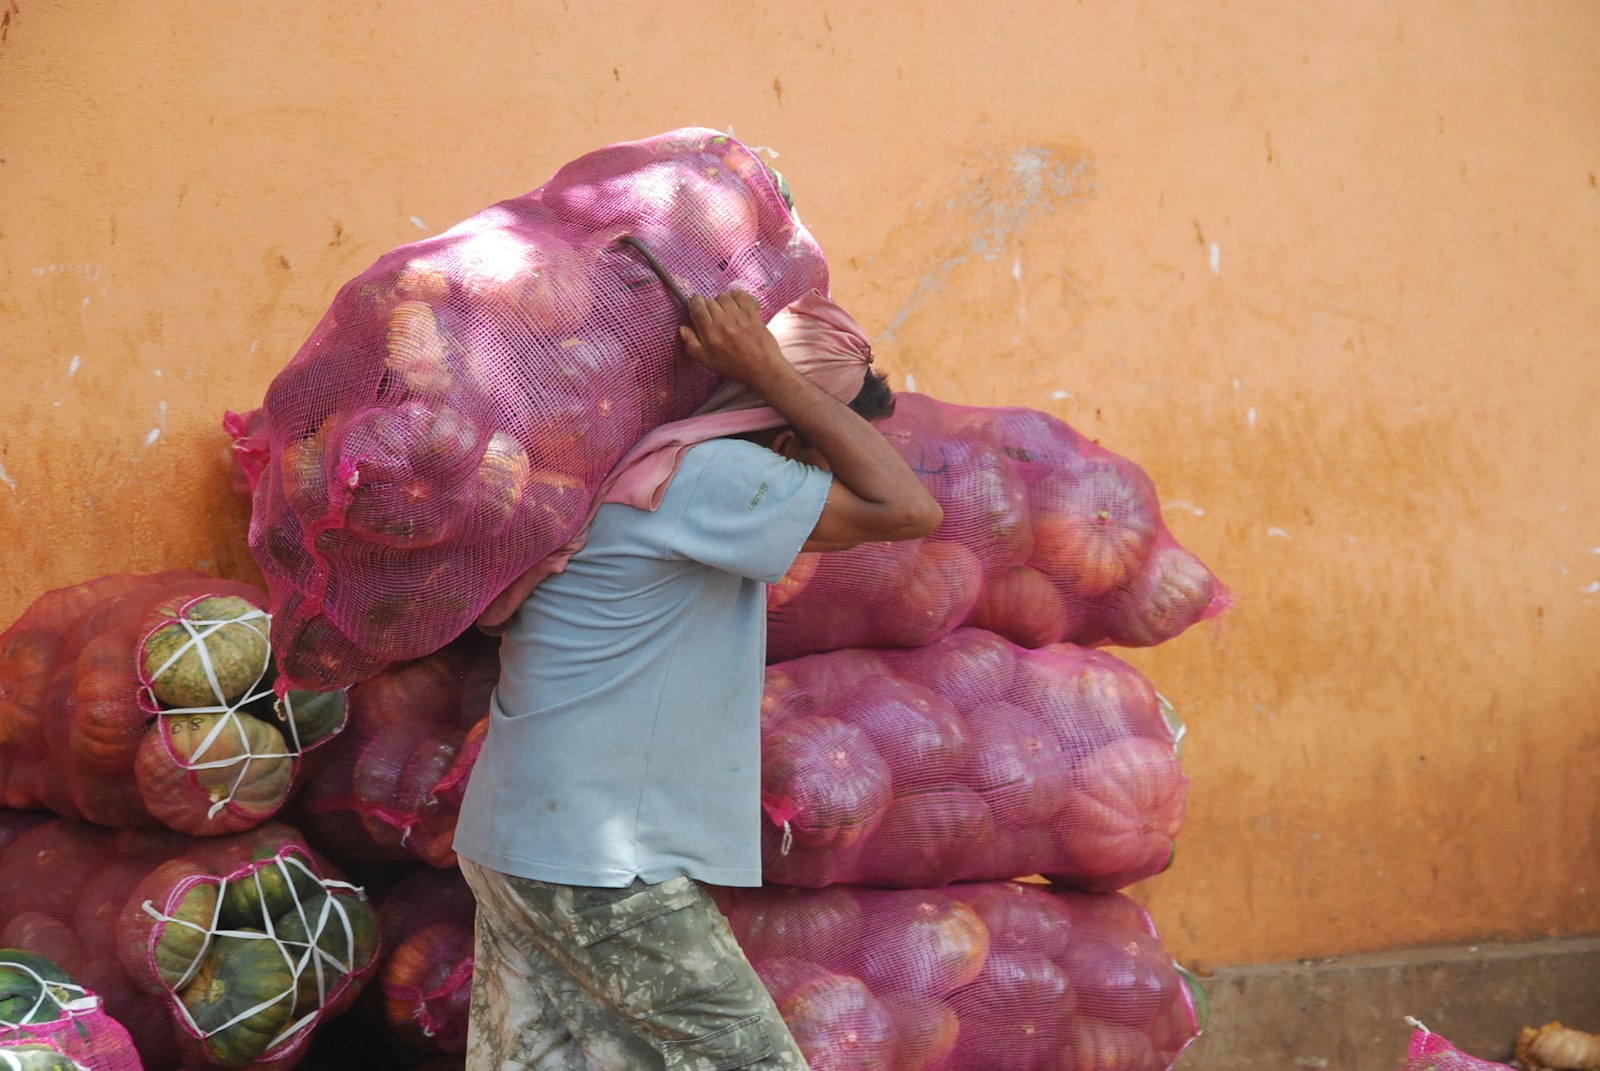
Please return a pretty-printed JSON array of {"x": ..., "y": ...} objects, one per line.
[{"x": 874, "y": 401}]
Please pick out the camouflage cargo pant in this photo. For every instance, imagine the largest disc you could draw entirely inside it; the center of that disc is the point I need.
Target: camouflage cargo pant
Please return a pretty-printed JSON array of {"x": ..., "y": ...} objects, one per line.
[{"x": 573, "y": 978}]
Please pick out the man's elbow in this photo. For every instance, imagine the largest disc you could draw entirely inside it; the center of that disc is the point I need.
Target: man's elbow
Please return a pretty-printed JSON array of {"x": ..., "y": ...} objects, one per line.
[{"x": 919, "y": 518}]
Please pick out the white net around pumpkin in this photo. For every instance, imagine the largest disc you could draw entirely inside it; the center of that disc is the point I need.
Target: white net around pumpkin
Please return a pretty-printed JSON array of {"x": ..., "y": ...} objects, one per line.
[
  {"x": 224, "y": 951},
  {"x": 44, "y": 1010},
  {"x": 131, "y": 700}
]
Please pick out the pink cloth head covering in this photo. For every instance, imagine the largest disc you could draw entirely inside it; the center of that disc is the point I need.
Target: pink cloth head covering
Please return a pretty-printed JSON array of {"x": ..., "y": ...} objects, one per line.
[{"x": 821, "y": 340}]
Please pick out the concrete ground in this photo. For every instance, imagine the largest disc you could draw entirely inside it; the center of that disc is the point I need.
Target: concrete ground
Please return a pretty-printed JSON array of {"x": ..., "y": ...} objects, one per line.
[{"x": 1349, "y": 1013}]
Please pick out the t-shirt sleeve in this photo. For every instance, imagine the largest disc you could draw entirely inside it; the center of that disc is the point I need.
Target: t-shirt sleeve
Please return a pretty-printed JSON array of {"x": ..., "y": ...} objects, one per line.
[{"x": 747, "y": 510}]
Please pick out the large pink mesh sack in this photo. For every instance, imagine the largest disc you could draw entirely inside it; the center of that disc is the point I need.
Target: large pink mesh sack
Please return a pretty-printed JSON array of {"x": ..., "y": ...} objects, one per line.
[
  {"x": 444, "y": 426},
  {"x": 969, "y": 759},
  {"x": 426, "y": 972},
  {"x": 999, "y": 976},
  {"x": 390, "y": 786},
  {"x": 215, "y": 952},
  {"x": 1046, "y": 537},
  {"x": 44, "y": 1010},
  {"x": 132, "y": 700}
]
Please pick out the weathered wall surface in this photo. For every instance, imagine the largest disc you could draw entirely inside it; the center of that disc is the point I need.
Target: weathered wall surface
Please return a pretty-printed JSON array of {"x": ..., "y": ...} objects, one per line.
[{"x": 1329, "y": 272}]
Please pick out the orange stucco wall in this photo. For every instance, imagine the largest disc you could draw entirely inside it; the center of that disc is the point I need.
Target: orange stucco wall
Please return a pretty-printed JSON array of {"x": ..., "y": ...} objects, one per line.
[{"x": 1328, "y": 271}]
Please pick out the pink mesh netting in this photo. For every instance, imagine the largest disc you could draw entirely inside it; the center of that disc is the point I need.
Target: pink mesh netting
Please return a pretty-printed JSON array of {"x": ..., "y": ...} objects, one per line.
[
  {"x": 390, "y": 785},
  {"x": 445, "y": 424},
  {"x": 1046, "y": 537},
  {"x": 1430, "y": 1052},
  {"x": 221, "y": 951},
  {"x": 968, "y": 759},
  {"x": 250, "y": 451},
  {"x": 426, "y": 972},
  {"x": 132, "y": 700},
  {"x": 43, "y": 1005},
  {"x": 979, "y": 977}
]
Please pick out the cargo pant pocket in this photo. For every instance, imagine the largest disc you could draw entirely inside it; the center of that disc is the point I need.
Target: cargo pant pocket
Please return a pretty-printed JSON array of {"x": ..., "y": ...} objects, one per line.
[
  {"x": 651, "y": 951},
  {"x": 740, "y": 1044}
]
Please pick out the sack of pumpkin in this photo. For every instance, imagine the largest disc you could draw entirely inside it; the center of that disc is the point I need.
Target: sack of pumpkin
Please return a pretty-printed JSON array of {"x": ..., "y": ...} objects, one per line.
[
  {"x": 389, "y": 787},
  {"x": 49, "y": 1021},
  {"x": 1046, "y": 537},
  {"x": 968, "y": 977},
  {"x": 215, "y": 952},
  {"x": 969, "y": 759},
  {"x": 135, "y": 700},
  {"x": 426, "y": 971},
  {"x": 40, "y": 1056},
  {"x": 444, "y": 426}
]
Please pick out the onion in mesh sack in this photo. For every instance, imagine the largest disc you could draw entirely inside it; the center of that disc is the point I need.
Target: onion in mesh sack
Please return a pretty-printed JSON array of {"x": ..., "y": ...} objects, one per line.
[
  {"x": 968, "y": 977},
  {"x": 1046, "y": 537},
  {"x": 969, "y": 759}
]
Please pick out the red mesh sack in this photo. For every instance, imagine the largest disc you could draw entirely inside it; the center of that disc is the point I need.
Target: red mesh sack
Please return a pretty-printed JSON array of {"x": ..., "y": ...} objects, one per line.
[
  {"x": 968, "y": 759},
  {"x": 979, "y": 977},
  {"x": 1046, "y": 537},
  {"x": 15, "y": 823},
  {"x": 215, "y": 952},
  {"x": 426, "y": 973},
  {"x": 443, "y": 428},
  {"x": 390, "y": 785},
  {"x": 1430, "y": 1052},
  {"x": 43, "y": 1007},
  {"x": 133, "y": 700}
]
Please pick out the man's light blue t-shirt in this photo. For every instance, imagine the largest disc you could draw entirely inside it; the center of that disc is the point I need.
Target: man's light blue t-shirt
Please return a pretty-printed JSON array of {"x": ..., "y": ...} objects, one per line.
[{"x": 624, "y": 737}]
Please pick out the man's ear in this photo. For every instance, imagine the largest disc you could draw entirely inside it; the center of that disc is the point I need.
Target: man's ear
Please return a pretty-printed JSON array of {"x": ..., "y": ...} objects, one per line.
[{"x": 786, "y": 443}]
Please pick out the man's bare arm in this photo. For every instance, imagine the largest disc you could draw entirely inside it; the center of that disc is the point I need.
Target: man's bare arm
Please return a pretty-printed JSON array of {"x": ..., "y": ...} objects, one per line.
[{"x": 875, "y": 495}]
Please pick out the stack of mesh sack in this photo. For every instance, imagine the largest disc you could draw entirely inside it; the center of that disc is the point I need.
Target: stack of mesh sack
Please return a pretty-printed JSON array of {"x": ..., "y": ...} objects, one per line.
[
  {"x": 905, "y": 780},
  {"x": 939, "y": 719}
]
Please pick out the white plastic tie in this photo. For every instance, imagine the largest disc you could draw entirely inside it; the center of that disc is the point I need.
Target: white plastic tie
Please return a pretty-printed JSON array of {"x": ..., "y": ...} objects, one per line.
[
  {"x": 788, "y": 839},
  {"x": 83, "y": 1002}
]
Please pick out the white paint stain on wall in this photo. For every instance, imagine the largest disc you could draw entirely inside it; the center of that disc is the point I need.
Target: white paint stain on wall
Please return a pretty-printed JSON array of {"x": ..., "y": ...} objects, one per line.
[
  {"x": 416, "y": 221},
  {"x": 1189, "y": 507},
  {"x": 5, "y": 478},
  {"x": 1022, "y": 295},
  {"x": 1216, "y": 259},
  {"x": 161, "y": 426},
  {"x": 72, "y": 370},
  {"x": 1277, "y": 533},
  {"x": 89, "y": 272},
  {"x": 1002, "y": 204},
  {"x": 1250, "y": 417}
]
